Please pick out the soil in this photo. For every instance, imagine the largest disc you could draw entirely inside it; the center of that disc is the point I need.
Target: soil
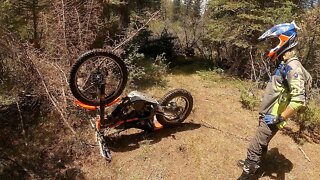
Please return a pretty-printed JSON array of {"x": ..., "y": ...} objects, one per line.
[{"x": 206, "y": 146}]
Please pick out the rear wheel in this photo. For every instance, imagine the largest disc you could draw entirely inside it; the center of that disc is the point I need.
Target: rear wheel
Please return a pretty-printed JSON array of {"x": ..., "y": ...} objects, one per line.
[
  {"x": 91, "y": 70},
  {"x": 177, "y": 105}
]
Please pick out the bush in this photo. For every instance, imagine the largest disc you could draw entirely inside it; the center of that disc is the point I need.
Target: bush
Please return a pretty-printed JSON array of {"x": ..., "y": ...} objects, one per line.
[
  {"x": 309, "y": 119},
  {"x": 135, "y": 72},
  {"x": 144, "y": 72},
  {"x": 249, "y": 100}
]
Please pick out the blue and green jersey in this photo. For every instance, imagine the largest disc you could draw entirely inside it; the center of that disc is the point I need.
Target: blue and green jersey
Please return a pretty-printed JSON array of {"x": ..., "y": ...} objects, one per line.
[{"x": 285, "y": 88}]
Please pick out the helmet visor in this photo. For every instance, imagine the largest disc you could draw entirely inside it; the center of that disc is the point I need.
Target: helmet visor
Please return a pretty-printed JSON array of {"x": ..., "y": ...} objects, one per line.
[
  {"x": 272, "y": 46},
  {"x": 272, "y": 43}
]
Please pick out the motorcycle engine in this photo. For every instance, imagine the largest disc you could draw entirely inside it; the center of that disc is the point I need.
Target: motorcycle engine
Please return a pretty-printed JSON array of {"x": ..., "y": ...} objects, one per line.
[
  {"x": 135, "y": 105},
  {"x": 141, "y": 103}
]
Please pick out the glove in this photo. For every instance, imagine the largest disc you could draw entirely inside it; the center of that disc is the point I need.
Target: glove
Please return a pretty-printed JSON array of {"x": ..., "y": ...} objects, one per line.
[{"x": 281, "y": 122}]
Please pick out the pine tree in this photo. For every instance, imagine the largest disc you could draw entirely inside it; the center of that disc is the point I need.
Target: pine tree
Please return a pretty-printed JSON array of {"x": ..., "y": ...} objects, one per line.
[
  {"x": 237, "y": 25},
  {"x": 23, "y": 17}
]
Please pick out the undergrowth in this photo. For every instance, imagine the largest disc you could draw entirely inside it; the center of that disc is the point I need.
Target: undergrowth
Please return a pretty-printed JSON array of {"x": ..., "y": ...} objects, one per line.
[
  {"x": 310, "y": 118},
  {"x": 145, "y": 72},
  {"x": 250, "y": 95},
  {"x": 250, "y": 98}
]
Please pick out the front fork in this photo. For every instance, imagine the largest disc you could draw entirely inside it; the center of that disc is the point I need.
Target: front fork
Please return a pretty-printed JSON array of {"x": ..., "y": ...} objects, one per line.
[{"x": 101, "y": 122}]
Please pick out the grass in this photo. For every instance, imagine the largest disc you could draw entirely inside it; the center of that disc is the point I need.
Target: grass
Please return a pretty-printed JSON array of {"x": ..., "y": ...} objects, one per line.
[
  {"x": 210, "y": 76},
  {"x": 249, "y": 92},
  {"x": 190, "y": 66},
  {"x": 7, "y": 96},
  {"x": 7, "y": 100}
]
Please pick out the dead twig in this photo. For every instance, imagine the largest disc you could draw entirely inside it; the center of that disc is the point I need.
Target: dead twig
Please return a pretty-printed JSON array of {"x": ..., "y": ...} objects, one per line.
[
  {"x": 51, "y": 98},
  {"x": 64, "y": 24},
  {"x": 22, "y": 124},
  {"x": 134, "y": 34},
  {"x": 79, "y": 27},
  {"x": 208, "y": 125},
  {"x": 267, "y": 68},
  {"x": 252, "y": 66},
  {"x": 64, "y": 79},
  {"x": 305, "y": 155},
  {"x": 88, "y": 144},
  {"x": 56, "y": 66},
  {"x": 88, "y": 22},
  {"x": 149, "y": 177},
  {"x": 31, "y": 174}
]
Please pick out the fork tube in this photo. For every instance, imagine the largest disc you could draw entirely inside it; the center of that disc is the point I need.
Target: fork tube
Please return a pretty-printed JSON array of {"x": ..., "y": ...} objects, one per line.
[{"x": 102, "y": 105}]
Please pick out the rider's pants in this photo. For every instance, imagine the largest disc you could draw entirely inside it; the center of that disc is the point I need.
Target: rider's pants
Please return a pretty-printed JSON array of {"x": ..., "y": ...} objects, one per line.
[{"x": 258, "y": 146}]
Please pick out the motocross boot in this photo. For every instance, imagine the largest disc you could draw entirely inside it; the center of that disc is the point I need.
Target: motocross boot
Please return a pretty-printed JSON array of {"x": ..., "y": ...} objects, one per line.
[
  {"x": 248, "y": 170},
  {"x": 245, "y": 176},
  {"x": 240, "y": 163}
]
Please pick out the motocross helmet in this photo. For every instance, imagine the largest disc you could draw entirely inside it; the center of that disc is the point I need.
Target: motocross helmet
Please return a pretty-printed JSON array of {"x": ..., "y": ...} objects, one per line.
[{"x": 282, "y": 37}]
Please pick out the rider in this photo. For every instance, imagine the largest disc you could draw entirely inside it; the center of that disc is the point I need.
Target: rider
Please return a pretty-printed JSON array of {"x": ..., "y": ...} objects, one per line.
[{"x": 284, "y": 94}]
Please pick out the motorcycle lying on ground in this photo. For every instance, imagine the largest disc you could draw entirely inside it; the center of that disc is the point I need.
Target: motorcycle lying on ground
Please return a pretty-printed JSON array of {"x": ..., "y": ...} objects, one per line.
[{"x": 98, "y": 78}]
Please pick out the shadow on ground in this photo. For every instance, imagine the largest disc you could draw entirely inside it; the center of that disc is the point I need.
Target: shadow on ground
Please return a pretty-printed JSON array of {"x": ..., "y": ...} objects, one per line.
[
  {"x": 302, "y": 136},
  {"x": 129, "y": 142},
  {"x": 275, "y": 166},
  {"x": 41, "y": 149},
  {"x": 190, "y": 65}
]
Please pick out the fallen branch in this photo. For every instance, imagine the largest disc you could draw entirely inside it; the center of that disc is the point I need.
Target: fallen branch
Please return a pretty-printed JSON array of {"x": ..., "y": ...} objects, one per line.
[
  {"x": 305, "y": 155},
  {"x": 88, "y": 144},
  {"x": 29, "y": 172},
  {"x": 208, "y": 125},
  {"x": 22, "y": 124}
]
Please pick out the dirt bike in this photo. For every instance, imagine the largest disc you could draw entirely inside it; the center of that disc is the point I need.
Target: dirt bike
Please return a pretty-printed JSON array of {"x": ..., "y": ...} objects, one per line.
[{"x": 98, "y": 78}]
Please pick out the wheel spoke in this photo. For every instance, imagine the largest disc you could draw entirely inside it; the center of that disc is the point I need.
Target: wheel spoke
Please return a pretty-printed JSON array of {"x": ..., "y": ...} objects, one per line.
[
  {"x": 99, "y": 68},
  {"x": 181, "y": 104}
]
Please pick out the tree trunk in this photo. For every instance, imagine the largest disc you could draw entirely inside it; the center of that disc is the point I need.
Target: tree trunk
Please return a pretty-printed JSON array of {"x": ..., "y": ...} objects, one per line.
[
  {"x": 176, "y": 10},
  {"x": 35, "y": 24},
  {"x": 124, "y": 10}
]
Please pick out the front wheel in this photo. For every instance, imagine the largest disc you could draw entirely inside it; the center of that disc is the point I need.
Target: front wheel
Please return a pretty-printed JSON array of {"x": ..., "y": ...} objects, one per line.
[
  {"x": 177, "y": 105},
  {"x": 91, "y": 70}
]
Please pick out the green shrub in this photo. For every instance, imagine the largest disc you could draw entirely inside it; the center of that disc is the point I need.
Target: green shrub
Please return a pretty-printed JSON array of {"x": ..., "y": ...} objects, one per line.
[
  {"x": 249, "y": 99},
  {"x": 310, "y": 118},
  {"x": 136, "y": 72},
  {"x": 159, "y": 67},
  {"x": 144, "y": 72}
]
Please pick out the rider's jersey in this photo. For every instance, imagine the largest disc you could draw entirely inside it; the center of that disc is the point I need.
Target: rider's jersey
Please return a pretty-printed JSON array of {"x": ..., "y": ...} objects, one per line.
[{"x": 286, "y": 87}]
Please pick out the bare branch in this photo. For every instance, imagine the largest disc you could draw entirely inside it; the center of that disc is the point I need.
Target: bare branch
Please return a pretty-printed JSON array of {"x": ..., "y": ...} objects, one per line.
[
  {"x": 252, "y": 65},
  {"x": 305, "y": 155},
  {"x": 22, "y": 124},
  {"x": 64, "y": 24},
  {"x": 79, "y": 24},
  {"x": 52, "y": 99},
  {"x": 134, "y": 34}
]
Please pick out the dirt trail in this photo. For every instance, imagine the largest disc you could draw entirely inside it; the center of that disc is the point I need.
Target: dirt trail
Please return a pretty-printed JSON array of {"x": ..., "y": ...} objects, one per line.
[{"x": 206, "y": 146}]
